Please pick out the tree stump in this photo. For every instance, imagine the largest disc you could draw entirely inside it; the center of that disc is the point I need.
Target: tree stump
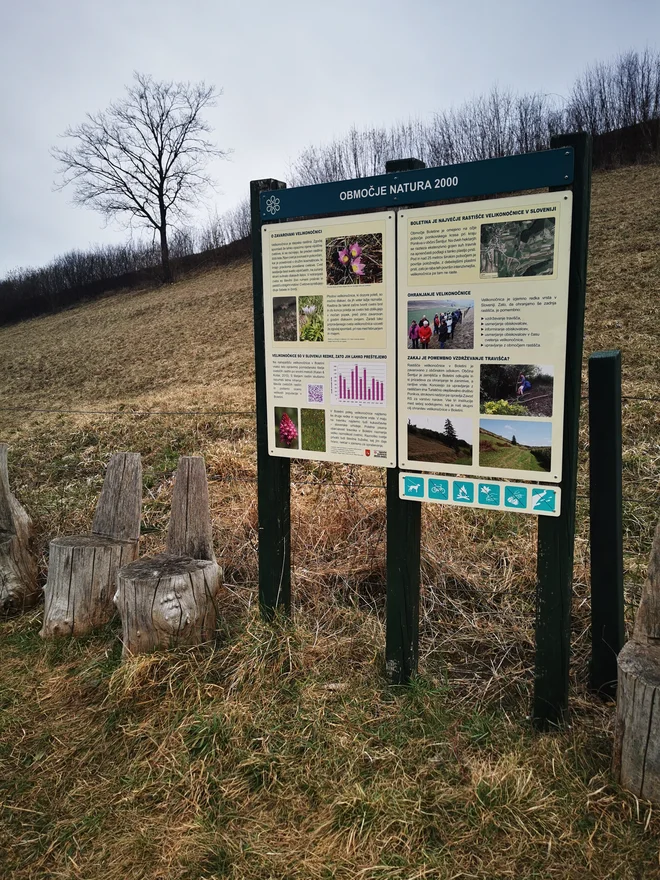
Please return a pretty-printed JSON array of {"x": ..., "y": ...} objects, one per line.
[
  {"x": 636, "y": 758},
  {"x": 81, "y": 581},
  {"x": 190, "y": 532},
  {"x": 167, "y": 601},
  {"x": 82, "y": 569},
  {"x": 18, "y": 567}
]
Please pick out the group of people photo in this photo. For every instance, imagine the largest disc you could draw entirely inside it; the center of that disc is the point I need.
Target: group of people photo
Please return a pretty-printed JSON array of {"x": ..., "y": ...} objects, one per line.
[
  {"x": 440, "y": 321},
  {"x": 443, "y": 327}
]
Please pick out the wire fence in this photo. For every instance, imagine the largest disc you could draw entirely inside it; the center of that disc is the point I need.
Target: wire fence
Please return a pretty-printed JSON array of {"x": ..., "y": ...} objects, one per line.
[
  {"x": 194, "y": 412},
  {"x": 228, "y": 479}
]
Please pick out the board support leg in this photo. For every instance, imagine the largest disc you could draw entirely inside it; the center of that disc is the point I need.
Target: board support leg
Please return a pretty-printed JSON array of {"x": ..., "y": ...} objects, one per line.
[
  {"x": 273, "y": 474},
  {"x": 606, "y": 520},
  {"x": 556, "y": 535},
  {"x": 404, "y": 520}
]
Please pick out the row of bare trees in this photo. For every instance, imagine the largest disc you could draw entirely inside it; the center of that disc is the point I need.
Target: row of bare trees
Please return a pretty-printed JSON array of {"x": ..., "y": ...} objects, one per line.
[
  {"x": 606, "y": 97},
  {"x": 168, "y": 173},
  {"x": 80, "y": 274}
]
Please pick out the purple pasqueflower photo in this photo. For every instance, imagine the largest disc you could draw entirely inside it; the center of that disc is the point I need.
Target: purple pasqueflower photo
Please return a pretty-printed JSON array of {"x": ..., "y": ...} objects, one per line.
[
  {"x": 355, "y": 250},
  {"x": 358, "y": 266},
  {"x": 343, "y": 256}
]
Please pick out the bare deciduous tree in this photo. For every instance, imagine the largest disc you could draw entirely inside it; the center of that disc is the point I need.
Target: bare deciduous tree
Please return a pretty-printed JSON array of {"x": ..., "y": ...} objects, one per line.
[{"x": 143, "y": 159}]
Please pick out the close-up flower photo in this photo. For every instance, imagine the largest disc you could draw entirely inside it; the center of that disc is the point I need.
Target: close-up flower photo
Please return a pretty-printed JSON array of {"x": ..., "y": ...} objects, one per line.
[{"x": 354, "y": 259}]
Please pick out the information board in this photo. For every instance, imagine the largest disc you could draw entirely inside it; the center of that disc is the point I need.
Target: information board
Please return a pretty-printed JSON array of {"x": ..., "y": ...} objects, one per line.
[
  {"x": 329, "y": 325},
  {"x": 482, "y": 319}
]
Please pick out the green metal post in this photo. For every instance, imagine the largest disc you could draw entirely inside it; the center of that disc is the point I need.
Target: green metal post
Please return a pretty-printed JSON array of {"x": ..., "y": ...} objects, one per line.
[
  {"x": 606, "y": 519},
  {"x": 404, "y": 527},
  {"x": 273, "y": 474},
  {"x": 556, "y": 535}
]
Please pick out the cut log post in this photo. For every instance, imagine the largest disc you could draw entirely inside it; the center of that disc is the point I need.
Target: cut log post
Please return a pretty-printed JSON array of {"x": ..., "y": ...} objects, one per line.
[
  {"x": 18, "y": 567},
  {"x": 170, "y": 600},
  {"x": 167, "y": 601},
  {"x": 82, "y": 569},
  {"x": 82, "y": 572},
  {"x": 636, "y": 758},
  {"x": 190, "y": 532}
]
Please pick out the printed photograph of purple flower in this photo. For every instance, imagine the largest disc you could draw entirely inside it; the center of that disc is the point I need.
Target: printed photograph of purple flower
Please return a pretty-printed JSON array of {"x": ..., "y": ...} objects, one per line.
[
  {"x": 310, "y": 318},
  {"x": 354, "y": 259},
  {"x": 287, "y": 428}
]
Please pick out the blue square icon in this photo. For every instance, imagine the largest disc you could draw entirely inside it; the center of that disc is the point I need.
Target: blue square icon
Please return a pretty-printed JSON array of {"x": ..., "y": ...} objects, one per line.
[
  {"x": 439, "y": 490},
  {"x": 413, "y": 487},
  {"x": 489, "y": 494},
  {"x": 463, "y": 491},
  {"x": 515, "y": 497},
  {"x": 544, "y": 499}
]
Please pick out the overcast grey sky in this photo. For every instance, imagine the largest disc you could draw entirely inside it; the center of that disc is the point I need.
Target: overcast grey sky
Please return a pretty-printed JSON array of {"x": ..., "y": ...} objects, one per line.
[{"x": 294, "y": 72}]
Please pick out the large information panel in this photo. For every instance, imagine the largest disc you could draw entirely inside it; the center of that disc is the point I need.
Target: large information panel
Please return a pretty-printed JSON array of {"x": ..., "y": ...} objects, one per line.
[
  {"x": 329, "y": 324},
  {"x": 482, "y": 318}
]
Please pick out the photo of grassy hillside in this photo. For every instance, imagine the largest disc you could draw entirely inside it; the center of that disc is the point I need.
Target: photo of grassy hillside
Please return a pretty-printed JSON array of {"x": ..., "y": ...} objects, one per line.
[
  {"x": 440, "y": 439},
  {"x": 500, "y": 446}
]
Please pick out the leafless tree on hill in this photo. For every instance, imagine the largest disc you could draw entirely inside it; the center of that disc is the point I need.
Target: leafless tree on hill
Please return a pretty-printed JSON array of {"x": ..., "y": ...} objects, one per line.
[{"x": 143, "y": 159}]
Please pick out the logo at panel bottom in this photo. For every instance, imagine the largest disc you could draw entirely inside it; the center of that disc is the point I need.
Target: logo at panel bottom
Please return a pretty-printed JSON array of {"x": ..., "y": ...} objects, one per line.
[
  {"x": 489, "y": 494},
  {"x": 544, "y": 499},
  {"x": 463, "y": 491},
  {"x": 439, "y": 489},
  {"x": 413, "y": 487},
  {"x": 515, "y": 497}
]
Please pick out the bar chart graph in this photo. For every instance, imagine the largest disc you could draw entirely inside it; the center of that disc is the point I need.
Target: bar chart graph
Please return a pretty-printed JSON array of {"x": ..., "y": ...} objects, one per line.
[{"x": 354, "y": 384}]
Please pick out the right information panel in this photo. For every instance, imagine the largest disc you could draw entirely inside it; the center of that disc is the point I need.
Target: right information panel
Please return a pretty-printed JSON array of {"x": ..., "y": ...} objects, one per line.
[{"x": 483, "y": 312}]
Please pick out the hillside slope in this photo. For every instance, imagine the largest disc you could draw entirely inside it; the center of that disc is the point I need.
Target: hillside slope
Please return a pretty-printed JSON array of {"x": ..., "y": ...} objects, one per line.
[
  {"x": 279, "y": 753},
  {"x": 193, "y": 341}
]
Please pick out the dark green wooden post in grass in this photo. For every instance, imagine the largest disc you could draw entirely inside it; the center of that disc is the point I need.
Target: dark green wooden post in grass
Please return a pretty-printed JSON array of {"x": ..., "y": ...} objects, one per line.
[
  {"x": 606, "y": 520},
  {"x": 273, "y": 474},
  {"x": 404, "y": 528},
  {"x": 556, "y": 535}
]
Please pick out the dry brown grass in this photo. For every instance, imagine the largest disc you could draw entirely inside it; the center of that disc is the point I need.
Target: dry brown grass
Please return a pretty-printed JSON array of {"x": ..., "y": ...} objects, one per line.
[{"x": 281, "y": 753}]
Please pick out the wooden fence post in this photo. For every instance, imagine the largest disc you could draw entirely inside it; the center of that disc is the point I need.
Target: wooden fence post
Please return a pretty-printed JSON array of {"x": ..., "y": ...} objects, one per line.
[
  {"x": 404, "y": 519},
  {"x": 606, "y": 521},
  {"x": 556, "y": 535},
  {"x": 273, "y": 474}
]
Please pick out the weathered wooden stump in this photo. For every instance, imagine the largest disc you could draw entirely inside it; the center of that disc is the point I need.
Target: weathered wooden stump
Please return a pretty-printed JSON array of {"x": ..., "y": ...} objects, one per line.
[
  {"x": 18, "y": 567},
  {"x": 170, "y": 599},
  {"x": 636, "y": 759},
  {"x": 82, "y": 569},
  {"x": 166, "y": 601},
  {"x": 190, "y": 532}
]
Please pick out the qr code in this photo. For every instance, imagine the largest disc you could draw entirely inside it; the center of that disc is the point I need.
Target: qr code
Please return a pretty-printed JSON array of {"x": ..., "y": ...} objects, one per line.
[{"x": 315, "y": 394}]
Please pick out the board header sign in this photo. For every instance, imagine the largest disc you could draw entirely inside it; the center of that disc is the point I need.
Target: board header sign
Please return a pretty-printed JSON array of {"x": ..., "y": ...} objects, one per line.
[{"x": 550, "y": 168}]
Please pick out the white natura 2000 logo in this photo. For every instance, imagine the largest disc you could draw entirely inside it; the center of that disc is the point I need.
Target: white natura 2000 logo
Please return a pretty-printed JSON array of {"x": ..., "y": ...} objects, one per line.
[{"x": 273, "y": 205}]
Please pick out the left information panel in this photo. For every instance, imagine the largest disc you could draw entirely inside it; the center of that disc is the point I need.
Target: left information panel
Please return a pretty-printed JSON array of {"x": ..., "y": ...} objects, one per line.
[{"x": 329, "y": 322}]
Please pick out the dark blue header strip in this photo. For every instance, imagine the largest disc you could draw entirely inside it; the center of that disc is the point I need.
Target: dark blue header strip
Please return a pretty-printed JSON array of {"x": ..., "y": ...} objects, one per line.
[{"x": 490, "y": 176}]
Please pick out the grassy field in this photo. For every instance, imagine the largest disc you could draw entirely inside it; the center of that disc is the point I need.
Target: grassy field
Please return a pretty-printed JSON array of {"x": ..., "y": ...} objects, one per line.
[
  {"x": 280, "y": 752},
  {"x": 426, "y": 447},
  {"x": 498, "y": 452},
  {"x": 313, "y": 429}
]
